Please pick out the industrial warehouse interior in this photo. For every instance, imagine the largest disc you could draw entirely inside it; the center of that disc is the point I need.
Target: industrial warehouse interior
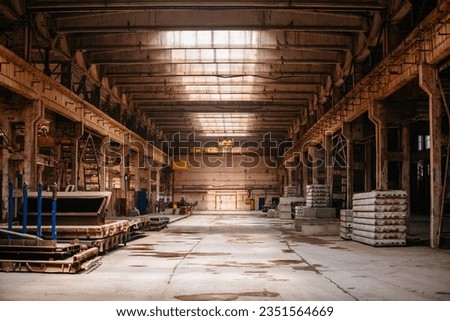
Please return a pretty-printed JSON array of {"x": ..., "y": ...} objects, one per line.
[{"x": 225, "y": 150}]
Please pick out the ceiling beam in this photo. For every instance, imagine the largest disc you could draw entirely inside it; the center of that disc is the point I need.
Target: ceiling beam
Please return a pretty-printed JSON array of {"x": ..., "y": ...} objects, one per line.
[
  {"x": 61, "y": 6},
  {"x": 139, "y": 81},
  {"x": 215, "y": 56},
  {"x": 211, "y": 19},
  {"x": 224, "y": 89},
  {"x": 275, "y": 71},
  {"x": 282, "y": 40},
  {"x": 175, "y": 97}
]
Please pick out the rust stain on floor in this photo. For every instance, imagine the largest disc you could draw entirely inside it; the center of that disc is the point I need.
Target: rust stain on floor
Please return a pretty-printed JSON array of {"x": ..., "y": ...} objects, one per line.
[
  {"x": 241, "y": 264},
  {"x": 164, "y": 255},
  {"x": 305, "y": 268},
  {"x": 169, "y": 254},
  {"x": 225, "y": 296},
  {"x": 209, "y": 253},
  {"x": 140, "y": 247},
  {"x": 307, "y": 239},
  {"x": 286, "y": 262}
]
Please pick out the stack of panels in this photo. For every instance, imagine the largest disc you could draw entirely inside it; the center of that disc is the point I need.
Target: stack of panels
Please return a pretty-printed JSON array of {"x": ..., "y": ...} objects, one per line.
[
  {"x": 297, "y": 209},
  {"x": 380, "y": 218},
  {"x": 284, "y": 210},
  {"x": 285, "y": 206},
  {"x": 346, "y": 230},
  {"x": 317, "y": 196},
  {"x": 290, "y": 191}
]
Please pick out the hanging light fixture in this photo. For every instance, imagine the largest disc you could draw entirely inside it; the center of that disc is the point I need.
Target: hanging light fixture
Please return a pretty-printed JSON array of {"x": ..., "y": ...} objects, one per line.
[{"x": 226, "y": 144}]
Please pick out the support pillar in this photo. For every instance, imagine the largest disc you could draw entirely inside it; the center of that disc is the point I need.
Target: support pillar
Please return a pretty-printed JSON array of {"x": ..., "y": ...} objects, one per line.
[
  {"x": 315, "y": 166},
  {"x": 103, "y": 167},
  {"x": 381, "y": 172},
  {"x": 304, "y": 172},
  {"x": 76, "y": 167},
  {"x": 289, "y": 175},
  {"x": 428, "y": 81},
  {"x": 158, "y": 184},
  {"x": 347, "y": 132},
  {"x": 5, "y": 180},
  {"x": 406, "y": 165},
  {"x": 329, "y": 166}
]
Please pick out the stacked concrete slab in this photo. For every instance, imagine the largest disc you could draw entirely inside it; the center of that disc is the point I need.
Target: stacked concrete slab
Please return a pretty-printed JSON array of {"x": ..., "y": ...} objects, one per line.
[
  {"x": 290, "y": 191},
  {"x": 380, "y": 218},
  {"x": 297, "y": 207},
  {"x": 285, "y": 207},
  {"x": 271, "y": 213},
  {"x": 317, "y": 195},
  {"x": 316, "y": 217},
  {"x": 346, "y": 230}
]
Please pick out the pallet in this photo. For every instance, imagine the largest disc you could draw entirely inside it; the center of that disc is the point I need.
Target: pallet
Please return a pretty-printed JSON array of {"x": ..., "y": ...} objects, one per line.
[{"x": 82, "y": 260}]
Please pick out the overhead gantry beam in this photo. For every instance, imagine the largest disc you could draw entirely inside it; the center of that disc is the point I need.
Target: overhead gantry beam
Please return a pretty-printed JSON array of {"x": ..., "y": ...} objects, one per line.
[
  {"x": 201, "y": 80},
  {"x": 266, "y": 71},
  {"x": 61, "y": 6},
  {"x": 215, "y": 56},
  {"x": 281, "y": 40},
  {"x": 210, "y": 19}
]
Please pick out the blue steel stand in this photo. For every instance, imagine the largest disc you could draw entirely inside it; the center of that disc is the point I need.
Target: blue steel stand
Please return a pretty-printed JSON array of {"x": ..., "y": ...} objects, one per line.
[{"x": 54, "y": 194}]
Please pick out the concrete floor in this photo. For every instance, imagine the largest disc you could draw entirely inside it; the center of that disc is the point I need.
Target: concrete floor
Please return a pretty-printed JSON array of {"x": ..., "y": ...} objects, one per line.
[{"x": 244, "y": 257}]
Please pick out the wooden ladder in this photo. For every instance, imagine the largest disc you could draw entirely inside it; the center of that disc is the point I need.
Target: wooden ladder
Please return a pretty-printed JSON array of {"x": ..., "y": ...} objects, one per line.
[{"x": 89, "y": 161}]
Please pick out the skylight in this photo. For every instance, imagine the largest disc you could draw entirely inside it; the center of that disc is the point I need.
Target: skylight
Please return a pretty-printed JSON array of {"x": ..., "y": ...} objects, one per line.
[
  {"x": 224, "y": 124},
  {"x": 217, "y": 66}
]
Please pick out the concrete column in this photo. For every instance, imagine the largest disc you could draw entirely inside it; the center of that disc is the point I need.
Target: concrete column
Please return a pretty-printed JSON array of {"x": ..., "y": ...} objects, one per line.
[
  {"x": 5, "y": 182},
  {"x": 158, "y": 183},
  {"x": 406, "y": 165},
  {"x": 102, "y": 168},
  {"x": 428, "y": 81},
  {"x": 305, "y": 172},
  {"x": 31, "y": 115},
  {"x": 315, "y": 167},
  {"x": 150, "y": 194},
  {"x": 347, "y": 132},
  {"x": 137, "y": 171},
  {"x": 329, "y": 168},
  {"x": 381, "y": 172},
  {"x": 289, "y": 176},
  {"x": 76, "y": 167}
]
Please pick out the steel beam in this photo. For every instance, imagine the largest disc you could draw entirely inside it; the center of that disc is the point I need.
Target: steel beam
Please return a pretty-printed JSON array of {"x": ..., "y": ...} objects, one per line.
[
  {"x": 215, "y": 56},
  {"x": 61, "y": 6},
  {"x": 151, "y": 40},
  {"x": 212, "y": 19},
  {"x": 268, "y": 71}
]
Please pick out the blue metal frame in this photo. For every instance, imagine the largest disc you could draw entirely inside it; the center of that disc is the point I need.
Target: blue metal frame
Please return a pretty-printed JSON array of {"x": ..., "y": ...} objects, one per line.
[{"x": 54, "y": 236}]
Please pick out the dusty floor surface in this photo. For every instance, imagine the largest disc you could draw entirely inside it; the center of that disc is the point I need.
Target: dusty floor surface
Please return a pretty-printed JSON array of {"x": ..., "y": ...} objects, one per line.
[{"x": 244, "y": 257}]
